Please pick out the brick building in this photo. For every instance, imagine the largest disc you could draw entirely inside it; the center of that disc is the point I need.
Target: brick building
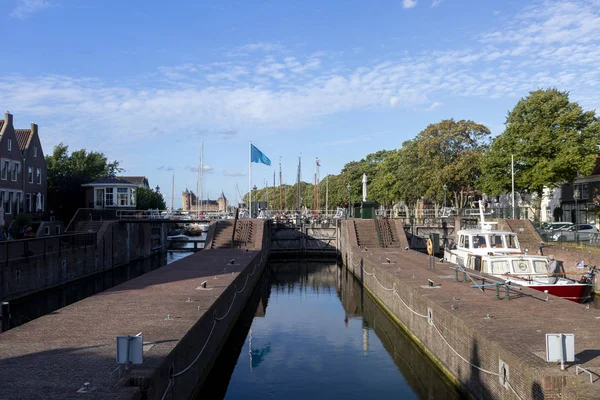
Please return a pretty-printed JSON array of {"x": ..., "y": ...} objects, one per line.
[
  {"x": 23, "y": 180},
  {"x": 190, "y": 202}
]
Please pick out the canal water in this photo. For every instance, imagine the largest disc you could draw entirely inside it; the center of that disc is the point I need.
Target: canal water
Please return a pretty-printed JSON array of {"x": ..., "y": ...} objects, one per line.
[
  {"x": 27, "y": 308},
  {"x": 311, "y": 332}
]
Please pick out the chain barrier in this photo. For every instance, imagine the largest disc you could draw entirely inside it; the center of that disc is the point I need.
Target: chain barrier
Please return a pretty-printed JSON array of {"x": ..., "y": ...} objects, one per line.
[
  {"x": 215, "y": 320},
  {"x": 436, "y": 328}
]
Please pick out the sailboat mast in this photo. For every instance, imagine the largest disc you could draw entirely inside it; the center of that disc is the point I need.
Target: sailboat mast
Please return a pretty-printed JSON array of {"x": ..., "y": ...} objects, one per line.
[
  {"x": 201, "y": 172},
  {"x": 280, "y": 187},
  {"x": 173, "y": 194}
]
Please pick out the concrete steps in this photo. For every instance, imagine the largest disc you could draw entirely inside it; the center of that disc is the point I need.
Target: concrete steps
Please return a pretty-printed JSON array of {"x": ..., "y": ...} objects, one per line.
[
  {"x": 528, "y": 236},
  {"x": 223, "y": 235},
  {"x": 244, "y": 234},
  {"x": 387, "y": 231},
  {"x": 366, "y": 235}
]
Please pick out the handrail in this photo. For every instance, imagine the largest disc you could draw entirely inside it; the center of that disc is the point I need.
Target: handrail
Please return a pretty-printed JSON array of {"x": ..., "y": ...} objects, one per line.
[{"x": 377, "y": 230}]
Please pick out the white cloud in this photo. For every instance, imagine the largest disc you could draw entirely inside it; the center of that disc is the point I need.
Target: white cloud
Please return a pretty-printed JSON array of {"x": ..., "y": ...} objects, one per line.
[
  {"x": 544, "y": 46},
  {"x": 433, "y": 106},
  {"x": 24, "y": 8},
  {"x": 409, "y": 3},
  {"x": 234, "y": 174},
  {"x": 436, "y": 3},
  {"x": 205, "y": 168}
]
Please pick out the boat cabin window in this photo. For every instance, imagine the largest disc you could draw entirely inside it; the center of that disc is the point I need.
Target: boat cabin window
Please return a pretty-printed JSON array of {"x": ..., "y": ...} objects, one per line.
[
  {"x": 479, "y": 242},
  {"x": 511, "y": 242},
  {"x": 499, "y": 267},
  {"x": 464, "y": 241},
  {"x": 496, "y": 241},
  {"x": 539, "y": 266},
  {"x": 521, "y": 266}
]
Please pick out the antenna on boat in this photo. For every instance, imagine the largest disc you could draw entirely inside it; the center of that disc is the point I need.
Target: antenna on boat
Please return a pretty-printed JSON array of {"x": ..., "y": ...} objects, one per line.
[{"x": 485, "y": 226}]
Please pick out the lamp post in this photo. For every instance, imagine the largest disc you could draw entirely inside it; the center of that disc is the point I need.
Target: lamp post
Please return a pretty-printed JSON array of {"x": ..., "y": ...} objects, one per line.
[
  {"x": 445, "y": 190},
  {"x": 576, "y": 196},
  {"x": 348, "y": 187}
]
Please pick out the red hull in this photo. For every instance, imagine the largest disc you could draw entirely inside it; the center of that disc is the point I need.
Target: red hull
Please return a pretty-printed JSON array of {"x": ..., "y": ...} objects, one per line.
[{"x": 576, "y": 293}]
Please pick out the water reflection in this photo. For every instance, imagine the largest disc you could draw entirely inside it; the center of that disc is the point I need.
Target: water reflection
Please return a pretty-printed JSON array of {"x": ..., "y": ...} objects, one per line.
[
  {"x": 34, "y": 306},
  {"x": 321, "y": 337}
]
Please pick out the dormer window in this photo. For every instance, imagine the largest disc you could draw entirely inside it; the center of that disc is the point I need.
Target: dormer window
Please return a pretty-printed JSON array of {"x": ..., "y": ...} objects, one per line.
[
  {"x": 35, "y": 151},
  {"x": 9, "y": 144}
]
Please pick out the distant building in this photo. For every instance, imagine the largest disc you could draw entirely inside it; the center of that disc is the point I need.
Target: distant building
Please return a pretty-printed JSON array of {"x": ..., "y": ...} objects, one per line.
[
  {"x": 191, "y": 203},
  {"x": 114, "y": 192},
  {"x": 23, "y": 180}
]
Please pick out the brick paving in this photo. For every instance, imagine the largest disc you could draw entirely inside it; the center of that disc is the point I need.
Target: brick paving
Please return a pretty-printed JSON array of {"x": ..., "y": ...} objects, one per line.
[
  {"x": 518, "y": 325},
  {"x": 52, "y": 356}
]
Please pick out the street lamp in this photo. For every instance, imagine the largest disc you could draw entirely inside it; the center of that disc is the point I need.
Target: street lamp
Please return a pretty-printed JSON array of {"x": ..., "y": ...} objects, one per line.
[
  {"x": 445, "y": 190},
  {"x": 348, "y": 187},
  {"x": 576, "y": 196}
]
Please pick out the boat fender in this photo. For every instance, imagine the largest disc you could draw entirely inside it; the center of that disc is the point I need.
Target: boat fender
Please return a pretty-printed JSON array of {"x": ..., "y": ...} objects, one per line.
[{"x": 429, "y": 247}]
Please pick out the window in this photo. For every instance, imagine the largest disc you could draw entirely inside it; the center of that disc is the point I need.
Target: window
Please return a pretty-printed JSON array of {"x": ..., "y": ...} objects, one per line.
[
  {"x": 539, "y": 266},
  {"x": 18, "y": 203},
  {"x": 2, "y": 197},
  {"x": 511, "y": 242},
  {"x": 42, "y": 203},
  {"x": 122, "y": 196},
  {"x": 39, "y": 176},
  {"x": 57, "y": 230},
  {"x": 496, "y": 241},
  {"x": 108, "y": 197},
  {"x": 15, "y": 171},
  {"x": 479, "y": 242},
  {"x": 35, "y": 151},
  {"x": 46, "y": 230},
  {"x": 30, "y": 174},
  {"x": 9, "y": 144},
  {"x": 499, "y": 267},
  {"x": 28, "y": 203},
  {"x": 132, "y": 197},
  {"x": 585, "y": 191},
  {"x": 9, "y": 208},
  {"x": 465, "y": 242},
  {"x": 521, "y": 266},
  {"x": 5, "y": 167}
]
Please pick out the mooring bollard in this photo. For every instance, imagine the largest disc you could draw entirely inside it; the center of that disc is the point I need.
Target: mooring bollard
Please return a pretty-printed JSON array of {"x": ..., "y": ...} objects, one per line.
[
  {"x": 506, "y": 292},
  {"x": 497, "y": 291},
  {"x": 456, "y": 275}
]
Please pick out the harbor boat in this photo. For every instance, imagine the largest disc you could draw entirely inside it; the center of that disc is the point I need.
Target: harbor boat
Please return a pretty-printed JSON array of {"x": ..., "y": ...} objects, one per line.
[
  {"x": 498, "y": 253},
  {"x": 178, "y": 241}
]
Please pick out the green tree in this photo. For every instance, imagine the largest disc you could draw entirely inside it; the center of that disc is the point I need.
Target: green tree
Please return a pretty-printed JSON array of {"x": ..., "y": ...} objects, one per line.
[
  {"x": 552, "y": 140},
  {"x": 446, "y": 153},
  {"x": 67, "y": 172},
  {"x": 147, "y": 199}
]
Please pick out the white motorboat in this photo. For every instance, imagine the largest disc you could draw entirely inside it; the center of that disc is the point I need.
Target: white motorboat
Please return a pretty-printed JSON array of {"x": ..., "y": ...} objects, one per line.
[{"x": 498, "y": 253}]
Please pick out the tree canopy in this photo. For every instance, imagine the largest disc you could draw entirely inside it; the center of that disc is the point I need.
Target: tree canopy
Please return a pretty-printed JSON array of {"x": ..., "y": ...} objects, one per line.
[
  {"x": 552, "y": 140},
  {"x": 147, "y": 199},
  {"x": 67, "y": 172}
]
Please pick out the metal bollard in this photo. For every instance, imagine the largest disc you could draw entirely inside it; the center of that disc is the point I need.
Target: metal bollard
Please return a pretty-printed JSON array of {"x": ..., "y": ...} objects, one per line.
[
  {"x": 497, "y": 291},
  {"x": 465, "y": 275},
  {"x": 506, "y": 292},
  {"x": 456, "y": 275}
]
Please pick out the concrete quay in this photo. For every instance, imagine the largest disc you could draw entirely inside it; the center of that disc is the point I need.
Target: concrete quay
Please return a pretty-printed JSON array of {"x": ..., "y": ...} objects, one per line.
[
  {"x": 467, "y": 343},
  {"x": 183, "y": 326}
]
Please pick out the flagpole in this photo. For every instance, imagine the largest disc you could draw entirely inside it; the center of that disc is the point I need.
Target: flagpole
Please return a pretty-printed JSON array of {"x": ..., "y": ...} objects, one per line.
[{"x": 250, "y": 178}]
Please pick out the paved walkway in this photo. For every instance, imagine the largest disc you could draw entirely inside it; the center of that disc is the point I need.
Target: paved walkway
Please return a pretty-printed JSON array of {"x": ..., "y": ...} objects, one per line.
[
  {"x": 519, "y": 324},
  {"x": 52, "y": 356}
]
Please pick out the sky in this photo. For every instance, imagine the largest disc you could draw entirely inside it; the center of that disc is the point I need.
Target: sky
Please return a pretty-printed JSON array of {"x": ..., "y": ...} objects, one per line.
[{"x": 147, "y": 82}]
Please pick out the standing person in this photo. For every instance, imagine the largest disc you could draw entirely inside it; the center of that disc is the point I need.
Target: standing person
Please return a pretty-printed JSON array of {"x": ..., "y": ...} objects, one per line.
[{"x": 553, "y": 268}]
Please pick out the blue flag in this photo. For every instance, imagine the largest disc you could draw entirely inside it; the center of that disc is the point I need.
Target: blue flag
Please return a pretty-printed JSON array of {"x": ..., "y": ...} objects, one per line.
[{"x": 258, "y": 156}]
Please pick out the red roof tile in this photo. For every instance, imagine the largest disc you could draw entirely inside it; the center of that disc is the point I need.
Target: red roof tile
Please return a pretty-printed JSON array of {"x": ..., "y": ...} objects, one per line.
[{"x": 22, "y": 137}]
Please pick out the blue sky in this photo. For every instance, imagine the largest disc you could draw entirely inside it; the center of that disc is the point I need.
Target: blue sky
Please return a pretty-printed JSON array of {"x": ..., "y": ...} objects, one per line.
[{"x": 146, "y": 82}]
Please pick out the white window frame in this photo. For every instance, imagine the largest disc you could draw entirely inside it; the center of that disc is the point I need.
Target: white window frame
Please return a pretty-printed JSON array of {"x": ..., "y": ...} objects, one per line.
[
  {"x": 9, "y": 144},
  {"x": 15, "y": 172},
  {"x": 35, "y": 151},
  {"x": 10, "y": 203},
  {"x": 109, "y": 191},
  {"x": 38, "y": 172},
  {"x": 125, "y": 195},
  {"x": 46, "y": 230}
]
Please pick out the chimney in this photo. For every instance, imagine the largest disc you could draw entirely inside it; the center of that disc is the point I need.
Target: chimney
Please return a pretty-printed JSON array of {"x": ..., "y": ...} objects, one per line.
[
  {"x": 8, "y": 119},
  {"x": 34, "y": 129}
]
